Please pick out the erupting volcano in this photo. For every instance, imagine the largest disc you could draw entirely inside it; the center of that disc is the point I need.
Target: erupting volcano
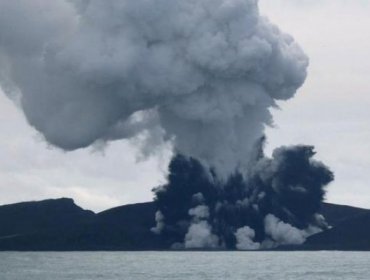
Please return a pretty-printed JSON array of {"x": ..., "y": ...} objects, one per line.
[{"x": 198, "y": 75}]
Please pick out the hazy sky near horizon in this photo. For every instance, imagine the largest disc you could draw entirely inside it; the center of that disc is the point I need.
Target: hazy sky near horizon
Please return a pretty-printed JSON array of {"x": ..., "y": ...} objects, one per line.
[{"x": 331, "y": 112}]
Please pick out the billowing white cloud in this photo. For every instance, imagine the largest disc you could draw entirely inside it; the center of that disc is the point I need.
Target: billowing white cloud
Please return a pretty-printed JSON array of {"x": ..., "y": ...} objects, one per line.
[{"x": 188, "y": 71}]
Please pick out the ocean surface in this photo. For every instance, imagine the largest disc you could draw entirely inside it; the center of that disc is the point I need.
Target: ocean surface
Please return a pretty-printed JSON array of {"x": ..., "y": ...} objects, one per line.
[{"x": 184, "y": 265}]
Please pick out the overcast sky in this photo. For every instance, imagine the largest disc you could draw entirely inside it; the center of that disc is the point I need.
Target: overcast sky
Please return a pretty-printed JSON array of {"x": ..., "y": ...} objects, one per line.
[{"x": 331, "y": 111}]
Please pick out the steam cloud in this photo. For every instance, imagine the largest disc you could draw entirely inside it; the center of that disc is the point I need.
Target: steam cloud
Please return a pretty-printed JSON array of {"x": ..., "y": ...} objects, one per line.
[{"x": 200, "y": 74}]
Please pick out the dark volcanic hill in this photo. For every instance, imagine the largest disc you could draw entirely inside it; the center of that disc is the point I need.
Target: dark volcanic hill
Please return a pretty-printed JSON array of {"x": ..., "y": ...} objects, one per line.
[
  {"x": 40, "y": 225},
  {"x": 350, "y": 231},
  {"x": 62, "y": 225},
  {"x": 335, "y": 214},
  {"x": 123, "y": 228},
  {"x": 33, "y": 217}
]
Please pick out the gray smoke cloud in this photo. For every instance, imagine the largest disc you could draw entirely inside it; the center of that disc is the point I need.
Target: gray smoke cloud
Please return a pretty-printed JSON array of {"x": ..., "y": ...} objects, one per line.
[
  {"x": 201, "y": 74},
  {"x": 279, "y": 204}
]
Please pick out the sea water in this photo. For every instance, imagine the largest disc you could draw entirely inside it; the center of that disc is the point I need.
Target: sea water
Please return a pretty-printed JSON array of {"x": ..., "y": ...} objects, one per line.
[{"x": 184, "y": 265}]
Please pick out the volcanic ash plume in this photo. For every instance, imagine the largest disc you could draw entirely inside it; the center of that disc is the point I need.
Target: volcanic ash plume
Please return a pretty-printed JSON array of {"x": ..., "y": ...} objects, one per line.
[
  {"x": 278, "y": 204},
  {"x": 201, "y": 75}
]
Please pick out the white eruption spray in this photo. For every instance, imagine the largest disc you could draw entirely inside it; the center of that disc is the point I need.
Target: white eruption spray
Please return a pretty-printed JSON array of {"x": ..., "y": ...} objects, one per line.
[
  {"x": 200, "y": 234},
  {"x": 244, "y": 239},
  {"x": 200, "y": 73}
]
